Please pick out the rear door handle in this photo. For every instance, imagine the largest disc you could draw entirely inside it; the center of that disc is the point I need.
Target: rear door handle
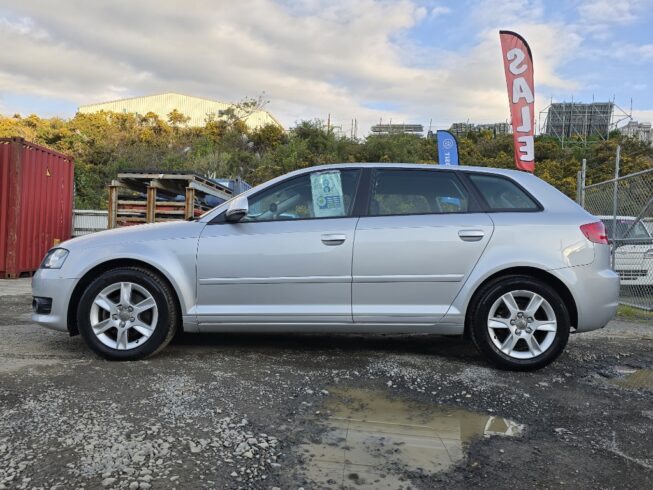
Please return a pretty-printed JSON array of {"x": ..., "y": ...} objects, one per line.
[
  {"x": 335, "y": 239},
  {"x": 471, "y": 235}
]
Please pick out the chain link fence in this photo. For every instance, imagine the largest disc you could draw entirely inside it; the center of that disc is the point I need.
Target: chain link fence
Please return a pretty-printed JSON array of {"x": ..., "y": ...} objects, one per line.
[{"x": 625, "y": 204}]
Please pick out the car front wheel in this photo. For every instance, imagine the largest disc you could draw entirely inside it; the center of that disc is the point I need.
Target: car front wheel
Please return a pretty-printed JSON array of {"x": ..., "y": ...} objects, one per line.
[
  {"x": 519, "y": 323},
  {"x": 127, "y": 314}
]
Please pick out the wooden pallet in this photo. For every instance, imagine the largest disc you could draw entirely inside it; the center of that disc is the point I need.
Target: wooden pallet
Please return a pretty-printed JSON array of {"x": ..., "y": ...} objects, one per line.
[{"x": 160, "y": 190}]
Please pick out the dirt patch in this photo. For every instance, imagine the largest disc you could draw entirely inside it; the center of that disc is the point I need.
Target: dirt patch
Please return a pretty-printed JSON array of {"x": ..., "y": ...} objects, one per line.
[{"x": 232, "y": 411}]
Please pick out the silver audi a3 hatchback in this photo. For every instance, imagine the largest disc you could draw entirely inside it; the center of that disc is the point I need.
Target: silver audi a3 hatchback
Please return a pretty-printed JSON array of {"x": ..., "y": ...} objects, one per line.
[{"x": 497, "y": 256}]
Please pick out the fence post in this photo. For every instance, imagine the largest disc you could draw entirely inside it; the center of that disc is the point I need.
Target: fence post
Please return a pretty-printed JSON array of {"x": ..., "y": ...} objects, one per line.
[
  {"x": 189, "y": 207},
  {"x": 583, "y": 174},
  {"x": 615, "y": 197},
  {"x": 150, "y": 210},
  {"x": 112, "y": 219}
]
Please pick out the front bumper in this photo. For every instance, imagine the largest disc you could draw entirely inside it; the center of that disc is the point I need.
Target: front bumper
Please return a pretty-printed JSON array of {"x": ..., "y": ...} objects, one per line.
[
  {"x": 636, "y": 276},
  {"x": 48, "y": 283},
  {"x": 634, "y": 266}
]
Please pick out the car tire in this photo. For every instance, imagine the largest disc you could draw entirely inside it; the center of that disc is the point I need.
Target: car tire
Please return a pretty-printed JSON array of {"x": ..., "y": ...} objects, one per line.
[
  {"x": 507, "y": 330},
  {"x": 139, "y": 328}
]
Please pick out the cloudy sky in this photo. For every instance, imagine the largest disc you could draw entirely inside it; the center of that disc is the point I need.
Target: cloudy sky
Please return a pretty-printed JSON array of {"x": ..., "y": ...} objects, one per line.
[{"x": 410, "y": 61}]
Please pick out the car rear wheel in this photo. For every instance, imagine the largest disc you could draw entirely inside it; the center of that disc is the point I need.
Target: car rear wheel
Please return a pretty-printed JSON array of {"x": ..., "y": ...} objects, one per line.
[
  {"x": 127, "y": 314},
  {"x": 519, "y": 323}
]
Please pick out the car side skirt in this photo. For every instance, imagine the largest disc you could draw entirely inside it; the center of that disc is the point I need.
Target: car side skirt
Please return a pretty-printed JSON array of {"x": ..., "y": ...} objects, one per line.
[{"x": 385, "y": 328}]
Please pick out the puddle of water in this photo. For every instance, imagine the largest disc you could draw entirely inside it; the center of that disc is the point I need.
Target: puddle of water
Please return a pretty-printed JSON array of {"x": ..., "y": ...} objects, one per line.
[
  {"x": 372, "y": 439},
  {"x": 634, "y": 379}
]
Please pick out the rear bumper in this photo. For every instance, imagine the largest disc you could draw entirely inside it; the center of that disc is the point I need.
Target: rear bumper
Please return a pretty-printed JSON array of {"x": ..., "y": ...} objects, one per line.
[
  {"x": 48, "y": 284},
  {"x": 596, "y": 293}
]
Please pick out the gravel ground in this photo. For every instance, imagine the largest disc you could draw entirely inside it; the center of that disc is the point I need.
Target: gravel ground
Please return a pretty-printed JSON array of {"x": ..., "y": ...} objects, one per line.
[{"x": 234, "y": 411}]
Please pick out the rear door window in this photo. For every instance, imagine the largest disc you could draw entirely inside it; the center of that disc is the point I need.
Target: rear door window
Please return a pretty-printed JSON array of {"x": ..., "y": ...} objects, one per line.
[
  {"x": 400, "y": 192},
  {"x": 502, "y": 194}
]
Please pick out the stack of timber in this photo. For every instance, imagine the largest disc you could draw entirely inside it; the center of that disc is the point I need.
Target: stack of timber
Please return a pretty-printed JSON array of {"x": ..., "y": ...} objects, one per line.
[{"x": 151, "y": 196}]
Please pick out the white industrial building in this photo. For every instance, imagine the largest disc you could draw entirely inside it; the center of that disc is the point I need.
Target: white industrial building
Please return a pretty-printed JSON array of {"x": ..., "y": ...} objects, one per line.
[{"x": 197, "y": 109}]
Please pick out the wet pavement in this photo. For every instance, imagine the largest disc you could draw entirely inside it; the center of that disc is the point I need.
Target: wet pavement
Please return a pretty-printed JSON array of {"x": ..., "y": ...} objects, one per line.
[
  {"x": 320, "y": 411},
  {"x": 632, "y": 378},
  {"x": 371, "y": 438}
]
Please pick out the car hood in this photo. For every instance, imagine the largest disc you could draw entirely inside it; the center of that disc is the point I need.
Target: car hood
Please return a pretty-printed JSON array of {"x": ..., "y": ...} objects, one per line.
[{"x": 138, "y": 233}]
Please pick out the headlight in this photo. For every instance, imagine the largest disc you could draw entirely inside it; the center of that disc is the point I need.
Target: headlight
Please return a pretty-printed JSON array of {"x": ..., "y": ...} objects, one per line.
[
  {"x": 54, "y": 259},
  {"x": 648, "y": 254}
]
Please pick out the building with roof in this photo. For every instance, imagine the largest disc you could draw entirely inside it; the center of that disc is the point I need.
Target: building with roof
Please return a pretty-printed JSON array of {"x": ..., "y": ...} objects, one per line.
[
  {"x": 639, "y": 131},
  {"x": 397, "y": 129},
  {"x": 197, "y": 109},
  {"x": 462, "y": 128}
]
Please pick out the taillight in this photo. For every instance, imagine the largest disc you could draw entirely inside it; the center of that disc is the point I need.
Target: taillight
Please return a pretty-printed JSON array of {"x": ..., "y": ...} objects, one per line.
[{"x": 595, "y": 232}]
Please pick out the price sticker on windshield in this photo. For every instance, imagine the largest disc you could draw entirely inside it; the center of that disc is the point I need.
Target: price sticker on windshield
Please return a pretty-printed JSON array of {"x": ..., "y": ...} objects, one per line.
[{"x": 328, "y": 199}]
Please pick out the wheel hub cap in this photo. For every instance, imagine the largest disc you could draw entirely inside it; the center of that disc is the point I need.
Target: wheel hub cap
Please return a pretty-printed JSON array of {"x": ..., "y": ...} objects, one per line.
[
  {"x": 522, "y": 324},
  {"x": 124, "y": 315}
]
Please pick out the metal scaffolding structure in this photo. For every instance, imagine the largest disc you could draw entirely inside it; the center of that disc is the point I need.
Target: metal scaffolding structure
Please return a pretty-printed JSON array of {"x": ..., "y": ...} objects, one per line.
[{"x": 580, "y": 122}]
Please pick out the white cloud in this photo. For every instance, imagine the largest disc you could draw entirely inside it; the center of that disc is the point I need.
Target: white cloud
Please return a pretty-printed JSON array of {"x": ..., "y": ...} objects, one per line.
[
  {"x": 636, "y": 86},
  {"x": 622, "y": 51},
  {"x": 645, "y": 115},
  {"x": 612, "y": 11},
  {"x": 439, "y": 11},
  {"x": 507, "y": 12},
  {"x": 22, "y": 26},
  {"x": 310, "y": 58}
]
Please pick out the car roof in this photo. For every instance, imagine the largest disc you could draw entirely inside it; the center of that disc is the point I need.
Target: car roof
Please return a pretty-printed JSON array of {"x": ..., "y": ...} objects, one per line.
[{"x": 421, "y": 166}]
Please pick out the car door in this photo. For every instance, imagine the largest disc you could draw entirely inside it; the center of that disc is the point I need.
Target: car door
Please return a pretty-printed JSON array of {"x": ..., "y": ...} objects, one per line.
[
  {"x": 288, "y": 261},
  {"x": 423, "y": 234}
]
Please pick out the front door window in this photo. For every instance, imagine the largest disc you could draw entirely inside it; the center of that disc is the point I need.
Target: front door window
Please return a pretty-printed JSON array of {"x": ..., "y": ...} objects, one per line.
[{"x": 327, "y": 194}]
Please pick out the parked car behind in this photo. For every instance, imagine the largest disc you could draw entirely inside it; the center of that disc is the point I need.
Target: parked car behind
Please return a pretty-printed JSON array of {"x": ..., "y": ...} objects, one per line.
[
  {"x": 633, "y": 259},
  {"x": 498, "y": 256}
]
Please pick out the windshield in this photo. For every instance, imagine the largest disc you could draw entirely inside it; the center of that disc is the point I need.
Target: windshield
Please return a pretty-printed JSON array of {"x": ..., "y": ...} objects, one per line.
[{"x": 638, "y": 232}]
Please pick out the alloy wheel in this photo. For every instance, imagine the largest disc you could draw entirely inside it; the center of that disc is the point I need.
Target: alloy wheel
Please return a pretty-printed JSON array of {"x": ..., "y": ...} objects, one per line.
[
  {"x": 522, "y": 324},
  {"x": 123, "y": 315}
]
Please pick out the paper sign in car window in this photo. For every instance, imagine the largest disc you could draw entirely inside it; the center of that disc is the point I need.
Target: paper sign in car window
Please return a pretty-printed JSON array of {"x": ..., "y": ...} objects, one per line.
[{"x": 328, "y": 200}]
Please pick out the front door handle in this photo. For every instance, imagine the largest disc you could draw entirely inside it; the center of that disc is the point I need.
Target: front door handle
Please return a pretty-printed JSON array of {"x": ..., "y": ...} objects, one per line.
[
  {"x": 471, "y": 235},
  {"x": 333, "y": 239}
]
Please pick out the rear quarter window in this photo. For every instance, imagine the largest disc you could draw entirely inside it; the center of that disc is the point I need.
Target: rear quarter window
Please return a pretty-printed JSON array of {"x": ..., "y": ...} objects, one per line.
[{"x": 502, "y": 194}]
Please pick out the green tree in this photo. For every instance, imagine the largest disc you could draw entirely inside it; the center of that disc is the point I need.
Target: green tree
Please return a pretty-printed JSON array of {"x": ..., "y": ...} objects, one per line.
[
  {"x": 176, "y": 118},
  {"x": 105, "y": 143}
]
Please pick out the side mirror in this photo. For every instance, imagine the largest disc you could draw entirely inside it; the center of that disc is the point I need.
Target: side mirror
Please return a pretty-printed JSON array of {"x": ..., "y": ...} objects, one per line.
[{"x": 237, "y": 210}]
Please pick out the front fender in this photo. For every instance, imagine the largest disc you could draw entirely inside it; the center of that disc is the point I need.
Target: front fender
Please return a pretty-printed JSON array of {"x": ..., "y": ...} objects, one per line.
[{"x": 174, "y": 258}]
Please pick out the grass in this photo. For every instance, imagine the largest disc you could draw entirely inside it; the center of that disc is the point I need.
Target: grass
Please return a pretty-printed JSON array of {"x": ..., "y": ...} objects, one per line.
[{"x": 631, "y": 313}]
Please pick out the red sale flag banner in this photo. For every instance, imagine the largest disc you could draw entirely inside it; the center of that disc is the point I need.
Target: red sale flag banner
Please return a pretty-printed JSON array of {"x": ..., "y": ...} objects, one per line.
[{"x": 518, "y": 65}]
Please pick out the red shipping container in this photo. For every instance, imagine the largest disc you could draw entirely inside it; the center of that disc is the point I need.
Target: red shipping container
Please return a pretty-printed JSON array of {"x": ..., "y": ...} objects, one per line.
[{"x": 36, "y": 204}]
